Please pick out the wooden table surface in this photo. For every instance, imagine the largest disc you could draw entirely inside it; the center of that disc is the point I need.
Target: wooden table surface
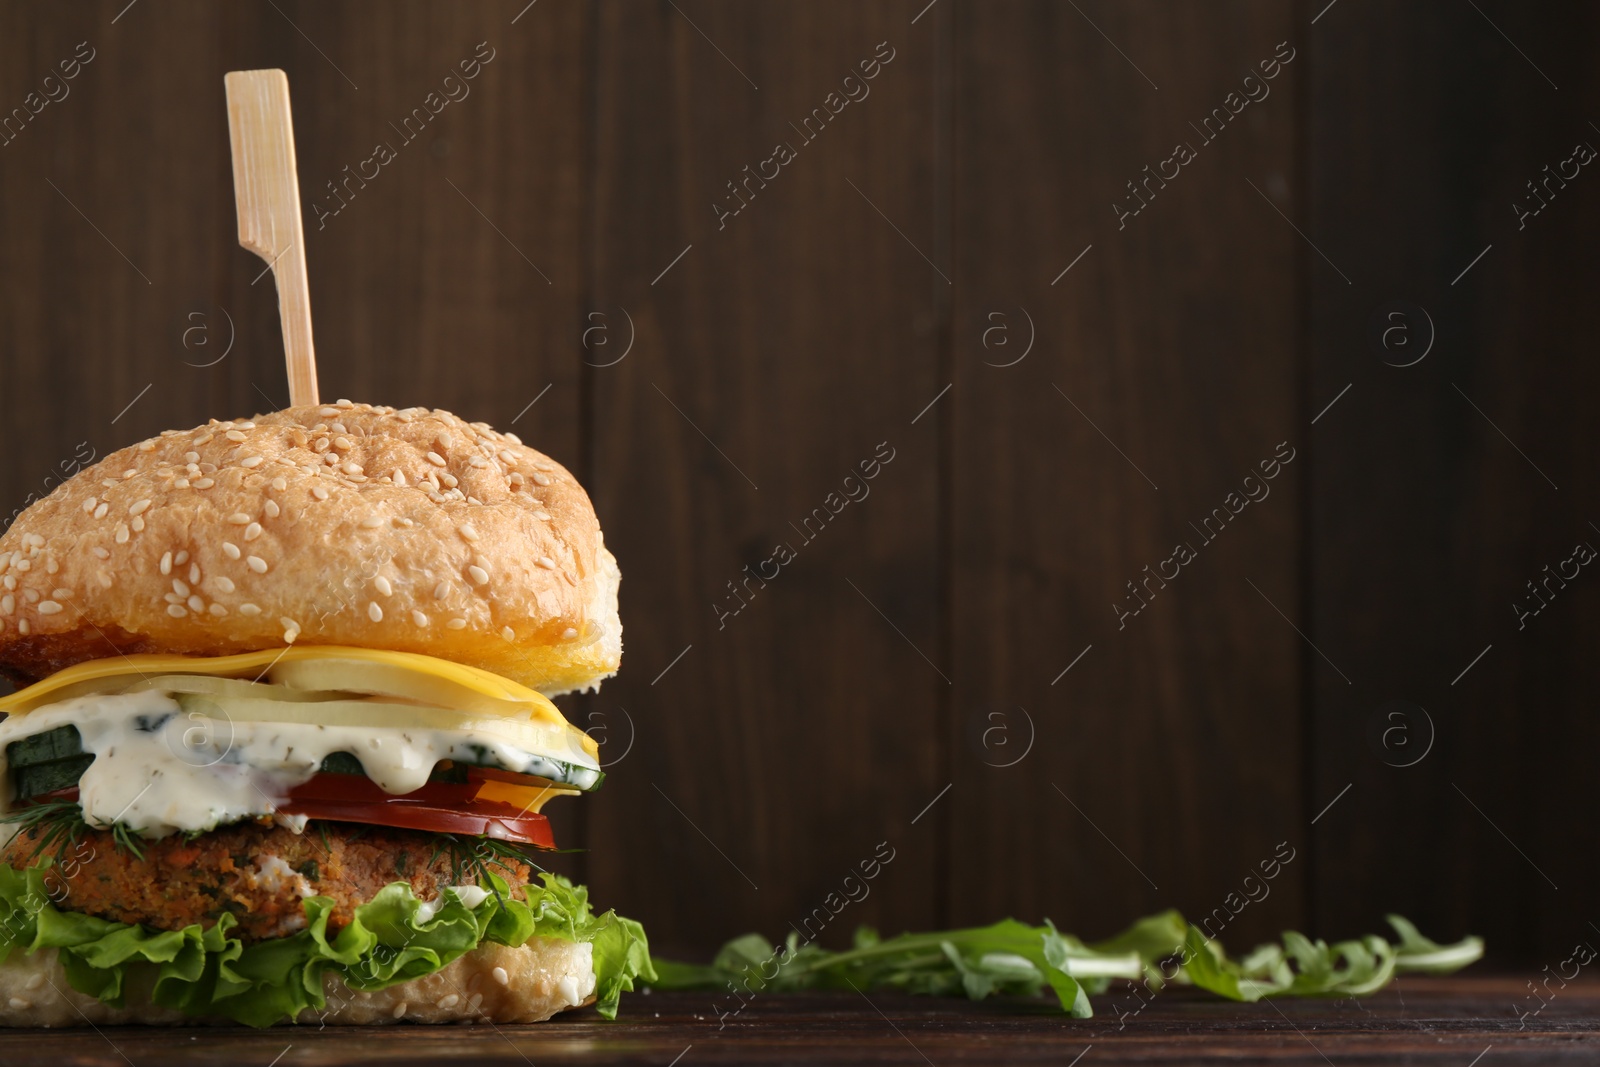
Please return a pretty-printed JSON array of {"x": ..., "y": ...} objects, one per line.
[{"x": 1464, "y": 1022}]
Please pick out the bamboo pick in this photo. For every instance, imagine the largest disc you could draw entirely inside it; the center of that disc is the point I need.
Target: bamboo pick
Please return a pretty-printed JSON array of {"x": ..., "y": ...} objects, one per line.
[{"x": 267, "y": 193}]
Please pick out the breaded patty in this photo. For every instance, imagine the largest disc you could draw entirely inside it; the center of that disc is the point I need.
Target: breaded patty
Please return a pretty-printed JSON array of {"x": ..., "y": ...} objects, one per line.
[{"x": 257, "y": 872}]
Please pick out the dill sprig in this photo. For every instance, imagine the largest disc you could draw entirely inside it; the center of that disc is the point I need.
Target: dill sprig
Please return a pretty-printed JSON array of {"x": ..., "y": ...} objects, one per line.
[{"x": 56, "y": 827}]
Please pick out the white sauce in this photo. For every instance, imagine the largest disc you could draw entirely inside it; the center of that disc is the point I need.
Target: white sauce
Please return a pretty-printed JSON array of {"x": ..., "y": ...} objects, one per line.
[{"x": 159, "y": 771}]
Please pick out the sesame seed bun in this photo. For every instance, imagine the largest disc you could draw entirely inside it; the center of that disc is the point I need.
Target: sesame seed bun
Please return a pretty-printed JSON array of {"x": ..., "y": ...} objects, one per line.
[
  {"x": 492, "y": 984},
  {"x": 337, "y": 524}
]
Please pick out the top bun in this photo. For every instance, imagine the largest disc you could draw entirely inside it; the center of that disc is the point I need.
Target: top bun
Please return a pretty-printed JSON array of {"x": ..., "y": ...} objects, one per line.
[{"x": 334, "y": 524}]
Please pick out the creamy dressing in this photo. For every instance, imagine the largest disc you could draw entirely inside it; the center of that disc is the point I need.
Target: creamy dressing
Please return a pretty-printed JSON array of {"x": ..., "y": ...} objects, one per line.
[{"x": 160, "y": 771}]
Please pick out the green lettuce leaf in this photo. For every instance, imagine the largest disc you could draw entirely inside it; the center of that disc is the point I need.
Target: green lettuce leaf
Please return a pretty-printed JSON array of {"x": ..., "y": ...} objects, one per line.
[{"x": 392, "y": 938}]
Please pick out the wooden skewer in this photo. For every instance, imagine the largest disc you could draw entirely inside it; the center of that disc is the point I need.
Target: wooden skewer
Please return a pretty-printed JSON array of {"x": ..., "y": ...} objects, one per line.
[{"x": 267, "y": 193}]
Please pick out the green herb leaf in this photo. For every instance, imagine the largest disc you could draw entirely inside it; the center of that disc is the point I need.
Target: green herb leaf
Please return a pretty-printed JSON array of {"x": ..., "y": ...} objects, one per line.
[{"x": 1014, "y": 959}]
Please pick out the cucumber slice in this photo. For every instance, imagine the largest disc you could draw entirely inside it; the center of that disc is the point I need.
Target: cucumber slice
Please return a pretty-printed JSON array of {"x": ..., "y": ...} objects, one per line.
[
  {"x": 39, "y": 778},
  {"x": 63, "y": 742}
]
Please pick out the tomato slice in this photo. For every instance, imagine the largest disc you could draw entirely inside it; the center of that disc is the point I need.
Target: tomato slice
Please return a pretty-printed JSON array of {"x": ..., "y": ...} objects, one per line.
[{"x": 442, "y": 807}]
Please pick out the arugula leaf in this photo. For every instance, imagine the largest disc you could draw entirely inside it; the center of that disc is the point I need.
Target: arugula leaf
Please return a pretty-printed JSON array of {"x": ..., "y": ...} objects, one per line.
[{"x": 1013, "y": 959}]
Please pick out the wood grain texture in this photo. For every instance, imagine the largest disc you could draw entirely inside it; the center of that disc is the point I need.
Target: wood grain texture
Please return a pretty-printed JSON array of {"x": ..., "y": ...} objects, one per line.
[
  {"x": 1446, "y": 1022},
  {"x": 1163, "y": 369},
  {"x": 1433, "y": 510},
  {"x": 790, "y": 344}
]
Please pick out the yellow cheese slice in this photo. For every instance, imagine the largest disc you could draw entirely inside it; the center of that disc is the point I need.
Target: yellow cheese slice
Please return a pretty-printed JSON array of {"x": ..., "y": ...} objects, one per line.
[{"x": 379, "y": 672}]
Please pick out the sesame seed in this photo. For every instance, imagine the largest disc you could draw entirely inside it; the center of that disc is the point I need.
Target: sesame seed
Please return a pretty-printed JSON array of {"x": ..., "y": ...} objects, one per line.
[
  {"x": 180, "y": 483},
  {"x": 218, "y": 610},
  {"x": 454, "y": 624},
  {"x": 147, "y": 446},
  {"x": 507, "y": 455},
  {"x": 449, "y": 1001},
  {"x": 542, "y": 516},
  {"x": 343, "y": 444},
  {"x": 129, "y": 473},
  {"x": 436, "y": 459},
  {"x": 23, "y": 565},
  {"x": 105, "y": 580},
  {"x": 33, "y": 540},
  {"x": 239, "y": 518},
  {"x": 279, "y": 484},
  {"x": 400, "y": 1009},
  {"x": 194, "y": 574},
  {"x": 372, "y": 522},
  {"x": 546, "y": 562},
  {"x": 508, "y": 633},
  {"x": 327, "y": 413},
  {"x": 88, "y": 505},
  {"x": 501, "y": 976},
  {"x": 172, "y": 598},
  {"x": 416, "y": 616},
  {"x": 343, "y": 405},
  {"x": 180, "y": 587},
  {"x": 252, "y": 531},
  {"x": 469, "y": 531},
  {"x": 271, "y": 509},
  {"x": 196, "y": 604},
  {"x": 122, "y": 533},
  {"x": 448, "y": 479},
  {"x": 441, "y": 590},
  {"x": 374, "y": 612},
  {"x": 516, "y": 480},
  {"x": 319, "y": 492},
  {"x": 100, "y": 511},
  {"x": 182, "y": 557},
  {"x": 478, "y": 575},
  {"x": 257, "y": 564},
  {"x": 513, "y": 438},
  {"x": 204, "y": 483},
  {"x": 8, "y": 604},
  {"x": 19, "y": 1004},
  {"x": 234, "y": 435},
  {"x": 320, "y": 445},
  {"x": 336, "y": 426},
  {"x": 31, "y": 595},
  {"x": 477, "y": 461},
  {"x": 222, "y": 585},
  {"x": 138, "y": 523},
  {"x": 249, "y": 462},
  {"x": 49, "y": 607},
  {"x": 139, "y": 507},
  {"x": 249, "y": 609},
  {"x": 51, "y": 566},
  {"x": 383, "y": 585},
  {"x": 229, "y": 549},
  {"x": 331, "y": 458},
  {"x": 398, "y": 478},
  {"x": 540, "y": 479},
  {"x": 568, "y": 634},
  {"x": 177, "y": 611},
  {"x": 191, "y": 457},
  {"x": 23, "y": 626}
]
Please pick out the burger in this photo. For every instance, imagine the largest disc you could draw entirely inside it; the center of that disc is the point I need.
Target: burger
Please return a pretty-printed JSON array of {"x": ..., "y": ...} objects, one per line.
[{"x": 283, "y": 730}]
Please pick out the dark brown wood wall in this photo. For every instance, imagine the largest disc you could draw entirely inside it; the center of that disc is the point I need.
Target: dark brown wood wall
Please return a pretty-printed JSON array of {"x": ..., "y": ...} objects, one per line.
[{"x": 1058, "y": 406}]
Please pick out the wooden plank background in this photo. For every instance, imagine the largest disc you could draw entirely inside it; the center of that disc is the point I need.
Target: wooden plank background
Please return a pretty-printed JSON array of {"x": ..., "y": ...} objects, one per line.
[{"x": 972, "y": 663}]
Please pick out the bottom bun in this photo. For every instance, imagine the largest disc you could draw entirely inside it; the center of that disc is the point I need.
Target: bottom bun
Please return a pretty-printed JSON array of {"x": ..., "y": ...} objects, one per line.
[{"x": 491, "y": 984}]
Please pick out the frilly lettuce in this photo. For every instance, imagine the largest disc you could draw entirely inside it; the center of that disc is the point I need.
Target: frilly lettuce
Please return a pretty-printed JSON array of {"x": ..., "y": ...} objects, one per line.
[{"x": 392, "y": 938}]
